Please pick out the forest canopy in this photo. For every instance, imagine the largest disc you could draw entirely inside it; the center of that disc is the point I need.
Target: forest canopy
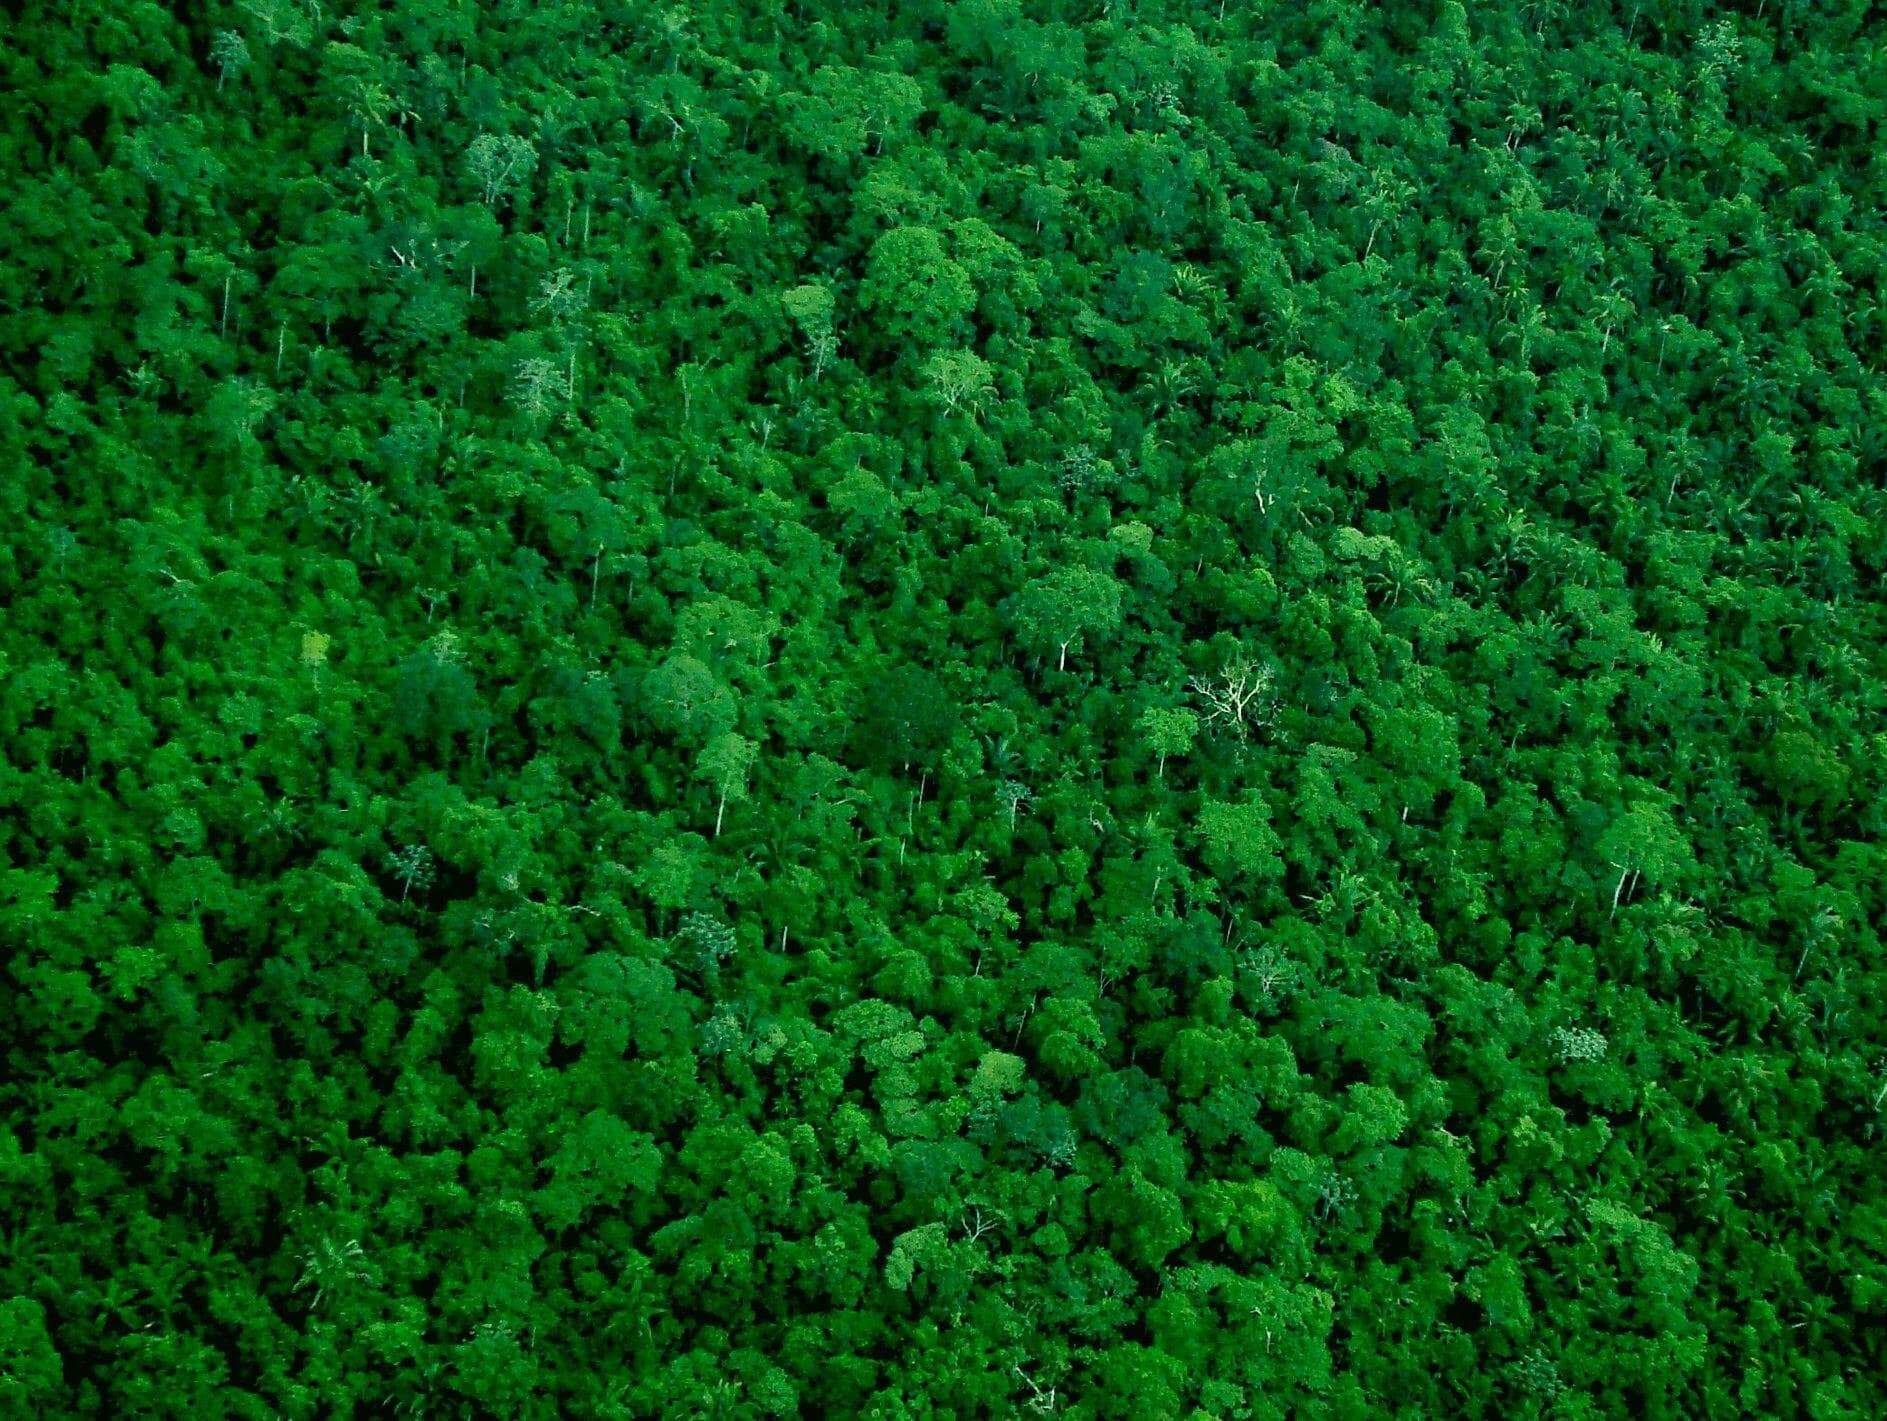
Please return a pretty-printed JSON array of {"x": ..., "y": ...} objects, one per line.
[{"x": 1115, "y": 708}]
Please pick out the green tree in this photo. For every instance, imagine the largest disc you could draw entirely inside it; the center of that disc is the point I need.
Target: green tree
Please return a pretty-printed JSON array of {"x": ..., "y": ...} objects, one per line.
[
  {"x": 499, "y": 164},
  {"x": 1168, "y": 732},
  {"x": 685, "y": 699},
  {"x": 918, "y": 297},
  {"x": 725, "y": 762},
  {"x": 600, "y": 1161},
  {"x": 1055, "y": 610}
]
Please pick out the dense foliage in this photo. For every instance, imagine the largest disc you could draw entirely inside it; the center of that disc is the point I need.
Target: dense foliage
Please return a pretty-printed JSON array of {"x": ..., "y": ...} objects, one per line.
[{"x": 1119, "y": 708}]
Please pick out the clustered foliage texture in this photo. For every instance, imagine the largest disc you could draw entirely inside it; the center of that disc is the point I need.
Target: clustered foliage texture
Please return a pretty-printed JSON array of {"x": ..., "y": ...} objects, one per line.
[{"x": 1114, "y": 709}]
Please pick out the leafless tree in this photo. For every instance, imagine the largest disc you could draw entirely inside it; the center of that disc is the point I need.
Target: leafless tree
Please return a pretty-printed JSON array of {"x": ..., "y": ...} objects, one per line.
[
  {"x": 976, "y": 1223},
  {"x": 1237, "y": 696},
  {"x": 1042, "y": 1401}
]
